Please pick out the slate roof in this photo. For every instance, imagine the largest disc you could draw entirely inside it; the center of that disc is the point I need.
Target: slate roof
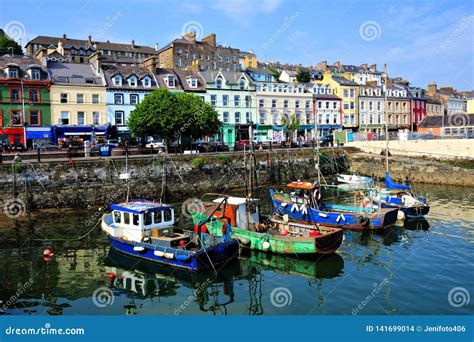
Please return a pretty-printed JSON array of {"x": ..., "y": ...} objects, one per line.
[
  {"x": 447, "y": 120},
  {"x": 259, "y": 71},
  {"x": 125, "y": 72},
  {"x": 74, "y": 74},
  {"x": 344, "y": 81},
  {"x": 24, "y": 63},
  {"x": 231, "y": 77}
]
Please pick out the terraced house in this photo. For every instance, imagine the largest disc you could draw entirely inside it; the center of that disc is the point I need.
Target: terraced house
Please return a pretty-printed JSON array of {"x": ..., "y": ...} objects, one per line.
[
  {"x": 327, "y": 108},
  {"x": 371, "y": 108},
  {"x": 78, "y": 106},
  {"x": 25, "y": 116},
  {"x": 398, "y": 106},
  {"x": 233, "y": 96}
]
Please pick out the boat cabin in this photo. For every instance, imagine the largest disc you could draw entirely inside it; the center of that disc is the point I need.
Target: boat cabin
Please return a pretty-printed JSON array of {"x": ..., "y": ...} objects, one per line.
[
  {"x": 242, "y": 213},
  {"x": 301, "y": 192},
  {"x": 139, "y": 219}
]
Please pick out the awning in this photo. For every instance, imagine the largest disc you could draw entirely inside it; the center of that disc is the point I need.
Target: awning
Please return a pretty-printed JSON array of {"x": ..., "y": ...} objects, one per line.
[
  {"x": 83, "y": 133},
  {"x": 38, "y": 133}
]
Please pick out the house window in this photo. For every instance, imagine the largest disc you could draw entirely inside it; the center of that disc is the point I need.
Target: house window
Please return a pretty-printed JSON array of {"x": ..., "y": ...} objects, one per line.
[
  {"x": 35, "y": 74},
  {"x": 80, "y": 98},
  {"x": 352, "y": 105},
  {"x": 219, "y": 83},
  {"x": 334, "y": 105},
  {"x": 225, "y": 100},
  {"x": 193, "y": 82},
  {"x": 213, "y": 100},
  {"x": 274, "y": 103},
  {"x": 242, "y": 84},
  {"x": 308, "y": 118},
  {"x": 119, "y": 118},
  {"x": 237, "y": 117},
  {"x": 64, "y": 119},
  {"x": 226, "y": 117},
  {"x": 285, "y": 104},
  {"x": 95, "y": 98},
  {"x": 118, "y": 99},
  {"x": 261, "y": 103},
  {"x": 132, "y": 81},
  {"x": 170, "y": 81},
  {"x": 16, "y": 117},
  {"x": 133, "y": 99},
  {"x": 33, "y": 95},
  {"x": 146, "y": 82},
  {"x": 13, "y": 72},
  {"x": 14, "y": 95},
  {"x": 117, "y": 80},
  {"x": 262, "y": 118},
  {"x": 346, "y": 93},
  {"x": 248, "y": 101},
  {"x": 63, "y": 98},
  {"x": 275, "y": 118},
  {"x": 352, "y": 92},
  {"x": 327, "y": 104},
  {"x": 308, "y": 104},
  {"x": 297, "y": 103},
  {"x": 236, "y": 100},
  {"x": 247, "y": 117},
  {"x": 81, "y": 118},
  {"x": 35, "y": 119},
  {"x": 320, "y": 105},
  {"x": 95, "y": 118}
]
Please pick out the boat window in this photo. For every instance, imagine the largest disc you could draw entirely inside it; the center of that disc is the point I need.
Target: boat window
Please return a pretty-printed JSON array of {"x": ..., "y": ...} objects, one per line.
[
  {"x": 126, "y": 218},
  {"x": 136, "y": 221},
  {"x": 157, "y": 217},
  {"x": 167, "y": 215},
  {"x": 117, "y": 216},
  {"x": 148, "y": 219}
]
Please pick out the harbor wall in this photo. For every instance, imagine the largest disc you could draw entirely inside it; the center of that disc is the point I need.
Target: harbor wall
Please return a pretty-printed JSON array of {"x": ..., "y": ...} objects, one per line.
[{"x": 436, "y": 148}]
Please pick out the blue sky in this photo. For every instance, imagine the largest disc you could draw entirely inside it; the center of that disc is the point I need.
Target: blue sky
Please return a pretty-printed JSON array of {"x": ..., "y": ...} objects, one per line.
[{"x": 422, "y": 41}]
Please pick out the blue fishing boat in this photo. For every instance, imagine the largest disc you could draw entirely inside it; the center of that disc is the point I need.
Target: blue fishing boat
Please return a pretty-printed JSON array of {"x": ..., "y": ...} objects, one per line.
[
  {"x": 304, "y": 204},
  {"x": 401, "y": 197},
  {"x": 145, "y": 230}
]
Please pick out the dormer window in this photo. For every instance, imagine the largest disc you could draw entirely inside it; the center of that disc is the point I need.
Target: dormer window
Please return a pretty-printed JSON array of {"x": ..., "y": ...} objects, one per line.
[
  {"x": 117, "y": 80},
  {"x": 35, "y": 74},
  {"x": 13, "y": 72},
  {"x": 146, "y": 82},
  {"x": 219, "y": 83},
  {"x": 322, "y": 90},
  {"x": 242, "y": 84},
  {"x": 170, "y": 81},
  {"x": 193, "y": 82},
  {"x": 132, "y": 81}
]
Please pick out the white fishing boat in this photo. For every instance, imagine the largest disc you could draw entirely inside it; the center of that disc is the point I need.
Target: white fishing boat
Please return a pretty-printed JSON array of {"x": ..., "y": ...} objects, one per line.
[{"x": 354, "y": 179}]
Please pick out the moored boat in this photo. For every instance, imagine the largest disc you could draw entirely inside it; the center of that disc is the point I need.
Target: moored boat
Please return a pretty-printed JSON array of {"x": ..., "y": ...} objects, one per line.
[
  {"x": 145, "y": 230},
  {"x": 354, "y": 179},
  {"x": 304, "y": 204}
]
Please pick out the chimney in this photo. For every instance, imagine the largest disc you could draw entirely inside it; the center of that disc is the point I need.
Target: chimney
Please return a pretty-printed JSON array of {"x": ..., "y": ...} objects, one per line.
[
  {"x": 432, "y": 88},
  {"x": 373, "y": 67},
  {"x": 89, "y": 39},
  {"x": 210, "y": 39},
  {"x": 64, "y": 36},
  {"x": 337, "y": 64},
  {"x": 150, "y": 63},
  {"x": 322, "y": 66},
  {"x": 133, "y": 44},
  {"x": 363, "y": 66},
  {"x": 449, "y": 90},
  {"x": 390, "y": 82},
  {"x": 157, "y": 46},
  {"x": 94, "y": 60},
  {"x": 372, "y": 84},
  {"x": 190, "y": 36}
]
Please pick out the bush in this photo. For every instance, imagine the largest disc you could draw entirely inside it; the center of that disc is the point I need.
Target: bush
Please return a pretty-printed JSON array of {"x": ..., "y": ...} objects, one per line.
[
  {"x": 197, "y": 163},
  {"x": 223, "y": 159}
]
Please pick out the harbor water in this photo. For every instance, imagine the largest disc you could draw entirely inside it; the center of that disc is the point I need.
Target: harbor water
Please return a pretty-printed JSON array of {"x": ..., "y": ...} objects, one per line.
[{"x": 422, "y": 268}]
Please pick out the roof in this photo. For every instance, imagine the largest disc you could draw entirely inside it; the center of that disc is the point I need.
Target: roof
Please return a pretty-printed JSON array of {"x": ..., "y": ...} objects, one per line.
[
  {"x": 344, "y": 81},
  {"x": 140, "y": 206},
  {"x": 47, "y": 40},
  {"x": 326, "y": 96},
  {"x": 125, "y": 72},
  {"x": 259, "y": 71},
  {"x": 231, "y": 77},
  {"x": 455, "y": 120},
  {"x": 184, "y": 74},
  {"x": 302, "y": 185},
  {"x": 74, "y": 73},
  {"x": 161, "y": 73},
  {"x": 24, "y": 63},
  {"x": 247, "y": 53}
]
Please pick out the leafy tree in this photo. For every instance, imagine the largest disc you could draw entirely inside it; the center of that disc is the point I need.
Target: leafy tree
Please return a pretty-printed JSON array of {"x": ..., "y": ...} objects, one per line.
[
  {"x": 303, "y": 76},
  {"x": 173, "y": 116},
  {"x": 290, "y": 122},
  {"x": 275, "y": 73},
  {"x": 6, "y": 45}
]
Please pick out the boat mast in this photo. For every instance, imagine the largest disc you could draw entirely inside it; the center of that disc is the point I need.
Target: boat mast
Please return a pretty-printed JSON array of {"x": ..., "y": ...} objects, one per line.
[
  {"x": 386, "y": 119},
  {"x": 316, "y": 133}
]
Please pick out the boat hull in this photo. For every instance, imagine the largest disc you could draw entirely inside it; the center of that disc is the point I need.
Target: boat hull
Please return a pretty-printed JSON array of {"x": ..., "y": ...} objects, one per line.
[
  {"x": 417, "y": 211},
  {"x": 197, "y": 261},
  {"x": 355, "y": 219}
]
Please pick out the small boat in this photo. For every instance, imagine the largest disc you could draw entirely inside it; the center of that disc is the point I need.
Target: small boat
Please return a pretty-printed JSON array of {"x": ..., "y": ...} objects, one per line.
[
  {"x": 401, "y": 197},
  {"x": 304, "y": 204},
  {"x": 145, "y": 230},
  {"x": 354, "y": 179},
  {"x": 273, "y": 235}
]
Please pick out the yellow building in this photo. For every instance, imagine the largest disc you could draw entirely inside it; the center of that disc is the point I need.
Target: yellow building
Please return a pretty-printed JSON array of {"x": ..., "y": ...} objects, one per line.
[
  {"x": 78, "y": 95},
  {"x": 248, "y": 59},
  {"x": 348, "y": 91},
  {"x": 470, "y": 106}
]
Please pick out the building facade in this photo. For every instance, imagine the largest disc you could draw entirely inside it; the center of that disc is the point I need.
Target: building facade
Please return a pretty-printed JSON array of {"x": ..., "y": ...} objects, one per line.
[
  {"x": 25, "y": 114},
  {"x": 248, "y": 59},
  {"x": 233, "y": 96},
  {"x": 434, "y": 107},
  {"x": 453, "y": 102},
  {"x": 418, "y": 106},
  {"x": 327, "y": 108},
  {"x": 398, "y": 107},
  {"x": 189, "y": 53},
  {"x": 372, "y": 108}
]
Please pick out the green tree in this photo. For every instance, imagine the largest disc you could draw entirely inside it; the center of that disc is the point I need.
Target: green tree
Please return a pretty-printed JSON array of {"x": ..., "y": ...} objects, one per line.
[
  {"x": 173, "y": 116},
  {"x": 303, "y": 76},
  {"x": 275, "y": 73},
  {"x": 6, "y": 45},
  {"x": 290, "y": 123}
]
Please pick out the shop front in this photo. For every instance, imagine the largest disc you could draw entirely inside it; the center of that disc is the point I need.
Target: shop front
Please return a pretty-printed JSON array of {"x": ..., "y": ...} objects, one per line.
[
  {"x": 12, "y": 136},
  {"x": 76, "y": 135},
  {"x": 228, "y": 135},
  {"x": 38, "y": 136}
]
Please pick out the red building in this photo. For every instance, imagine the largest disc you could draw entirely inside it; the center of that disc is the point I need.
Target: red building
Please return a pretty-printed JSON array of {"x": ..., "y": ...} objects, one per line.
[{"x": 418, "y": 107}]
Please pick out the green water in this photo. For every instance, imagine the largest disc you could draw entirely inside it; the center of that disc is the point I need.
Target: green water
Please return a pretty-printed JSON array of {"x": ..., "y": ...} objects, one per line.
[{"x": 406, "y": 270}]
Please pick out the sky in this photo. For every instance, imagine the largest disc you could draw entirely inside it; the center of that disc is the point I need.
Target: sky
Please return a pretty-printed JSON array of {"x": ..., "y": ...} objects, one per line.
[{"x": 423, "y": 41}]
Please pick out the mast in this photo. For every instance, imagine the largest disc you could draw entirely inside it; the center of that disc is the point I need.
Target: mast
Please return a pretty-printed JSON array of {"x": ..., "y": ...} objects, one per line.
[
  {"x": 386, "y": 119},
  {"x": 317, "y": 138}
]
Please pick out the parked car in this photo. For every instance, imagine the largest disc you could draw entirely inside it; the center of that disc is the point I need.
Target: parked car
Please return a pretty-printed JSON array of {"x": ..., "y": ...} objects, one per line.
[
  {"x": 205, "y": 146},
  {"x": 243, "y": 142},
  {"x": 155, "y": 144},
  {"x": 17, "y": 147},
  {"x": 113, "y": 142}
]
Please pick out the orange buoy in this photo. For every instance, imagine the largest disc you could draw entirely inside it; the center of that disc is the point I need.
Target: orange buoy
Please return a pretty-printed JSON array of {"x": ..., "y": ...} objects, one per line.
[
  {"x": 203, "y": 228},
  {"x": 284, "y": 232},
  {"x": 314, "y": 233},
  {"x": 182, "y": 243},
  {"x": 112, "y": 276},
  {"x": 47, "y": 252}
]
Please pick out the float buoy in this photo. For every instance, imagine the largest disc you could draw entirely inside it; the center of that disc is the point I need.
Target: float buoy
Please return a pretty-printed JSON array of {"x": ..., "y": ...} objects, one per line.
[
  {"x": 284, "y": 232},
  {"x": 314, "y": 233},
  {"x": 323, "y": 215},
  {"x": 182, "y": 243},
  {"x": 294, "y": 208},
  {"x": 138, "y": 249},
  {"x": 203, "y": 228},
  {"x": 400, "y": 215},
  {"x": 266, "y": 245},
  {"x": 111, "y": 276},
  {"x": 48, "y": 253},
  {"x": 160, "y": 254},
  {"x": 169, "y": 255},
  {"x": 284, "y": 204}
]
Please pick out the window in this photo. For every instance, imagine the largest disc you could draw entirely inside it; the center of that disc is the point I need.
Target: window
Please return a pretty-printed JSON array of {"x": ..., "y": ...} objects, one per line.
[
  {"x": 219, "y": 83},
  {"x": 274, "y": 103},
  {"x": 346, "y": 106},
  {"x": 334, "y": 105},
  {"x": 63, "y": 98},
  {"x": 119, "y": 118},
  {"x": 345, "y": 93},
  {"x": 261, "y": 103},
  {"x": 352, "y": 105},
  {"x": 262, "y": 118},
  {"x": 193, "y": 82},
  {"x": 132, "y": 81},
  {"x": 117, "y": 80},
  {"x": 297, "y": 103},
  {"x": 225, "y": 100},
  {"x": 95, "y": 98},
  {"x": 168, "y": 216},
  {"x": 33, "y": 95},
  {"x": 13, "y": 72},
  {"x": 308, "y": 104},
  {"x": 136, "y": 219},
  {"x": 274, "y": 118},
  {"x": 236, "y": 100},
  {"x": 327, "y": 104},
  {"x": 95, "y": 118},
  {"x": 170, "y": 81},
  {"x": 133, "y": 99},
  {"x": 242, "y": 84},
  {"x": 147, "y": 218},
  {"x": 308, "y": 118},
  {"x": 15, "y": 117},
  {"x": 352, "y": 92},
  {"x": 237, "y": 117},
  {"x": 248, "y": 101},
  {"x": 213, "y": 100},
  {"x": 226, "y": 117},
  {"x": 362, "y": 105},
  {"x": 64, "y": 119},
  {"x": 117, "y": 217},
  {"x": 35, "y": 74},
  {"x": 320, "y": 105},
  {"x": 146, "y": 82},
  {"x": 80, "y": 98},
  {"x": 126, "y": 218},
  {"x": 35, "y": 119},
  {"x": 157, "y": 217},
  {"x": 80, "y": 118},
  {"x": 371, "y": 105},
  {"x": 118, "y": 99},
  {"x": 247, "y": 117}
]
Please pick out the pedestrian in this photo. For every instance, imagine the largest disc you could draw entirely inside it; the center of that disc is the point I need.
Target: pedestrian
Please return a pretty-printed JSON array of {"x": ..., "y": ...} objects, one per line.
[{"x": 69, "y": 153}]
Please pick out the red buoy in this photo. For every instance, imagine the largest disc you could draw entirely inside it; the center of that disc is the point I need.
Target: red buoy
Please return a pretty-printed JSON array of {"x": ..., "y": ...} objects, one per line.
[
  {"x": 47, "y": 252},
  {"x": 284, "y": 232},
  {"x": 203, "y": 228},
  {"x": 182, "y": 243},
  {"x": 111, "y": 276},
  {"x": 314, "y": 233}
]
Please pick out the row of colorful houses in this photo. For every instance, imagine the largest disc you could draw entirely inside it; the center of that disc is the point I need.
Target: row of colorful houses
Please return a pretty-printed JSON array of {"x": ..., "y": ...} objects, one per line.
[{"x": 53, "y": 94}]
